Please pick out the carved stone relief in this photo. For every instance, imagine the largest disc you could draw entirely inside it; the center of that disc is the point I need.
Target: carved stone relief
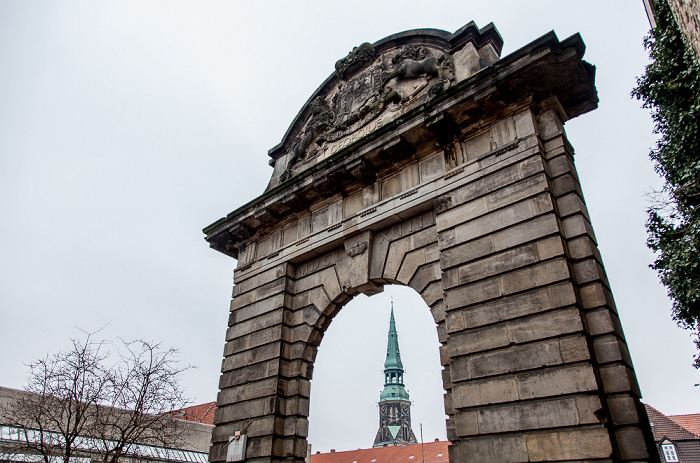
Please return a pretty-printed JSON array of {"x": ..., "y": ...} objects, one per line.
[{"x": 369, "y": 86}]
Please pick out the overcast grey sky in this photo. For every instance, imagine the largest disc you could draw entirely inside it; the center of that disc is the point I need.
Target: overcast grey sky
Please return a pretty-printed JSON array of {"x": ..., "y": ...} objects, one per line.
[{"x": 128, "y": 126}]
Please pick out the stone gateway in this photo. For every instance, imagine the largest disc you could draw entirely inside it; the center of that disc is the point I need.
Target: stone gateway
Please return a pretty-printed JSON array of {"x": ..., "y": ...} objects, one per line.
[{"x": 429, "y": 161}]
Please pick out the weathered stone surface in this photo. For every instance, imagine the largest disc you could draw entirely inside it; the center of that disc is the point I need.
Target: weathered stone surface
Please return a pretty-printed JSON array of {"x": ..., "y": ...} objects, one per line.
[
  {"x": 523, "y": 386},
  {"x": 502, "y": 218},
  {"x": 528, "y": 415},
  {"x": 506, "y": 308},
  {"x": 618, "y": 378},
  {"x": 249, "y": 373},
  {"x": 261, "y": 322},
  {"x": 517, "y": 331},
  {"x": 632, "y": 444},
  {"x": 505, "y": 449},
  {"x": 500, "y": 263},
  {"x": 465, "y": 192},
  {"x": 574, "y": 444}
]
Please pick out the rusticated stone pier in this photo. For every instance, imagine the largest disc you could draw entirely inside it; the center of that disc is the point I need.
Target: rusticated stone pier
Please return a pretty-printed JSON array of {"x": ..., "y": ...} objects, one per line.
[{"x": 429, "y": 161}]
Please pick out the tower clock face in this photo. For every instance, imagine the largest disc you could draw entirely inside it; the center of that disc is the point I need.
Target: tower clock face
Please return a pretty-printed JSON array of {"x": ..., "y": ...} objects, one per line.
[{"x": 405, "y": 409}]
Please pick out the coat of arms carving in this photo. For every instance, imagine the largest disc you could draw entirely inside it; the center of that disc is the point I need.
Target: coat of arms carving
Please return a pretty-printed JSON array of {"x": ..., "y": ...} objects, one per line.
[{"x": 368, "y": 86}]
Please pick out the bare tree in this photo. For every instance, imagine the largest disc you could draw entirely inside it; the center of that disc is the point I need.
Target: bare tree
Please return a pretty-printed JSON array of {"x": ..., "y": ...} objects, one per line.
[
  {"x": 91, "y": 400},
  {"x": 142, "y": 394}
]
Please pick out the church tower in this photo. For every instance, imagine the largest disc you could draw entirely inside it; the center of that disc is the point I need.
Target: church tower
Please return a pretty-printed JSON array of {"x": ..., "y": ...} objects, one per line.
[{"x": 394, "y": 405}]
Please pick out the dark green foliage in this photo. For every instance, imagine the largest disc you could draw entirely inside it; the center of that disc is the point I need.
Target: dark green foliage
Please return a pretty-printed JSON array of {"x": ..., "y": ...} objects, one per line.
[{"x": 671, "y": 88}]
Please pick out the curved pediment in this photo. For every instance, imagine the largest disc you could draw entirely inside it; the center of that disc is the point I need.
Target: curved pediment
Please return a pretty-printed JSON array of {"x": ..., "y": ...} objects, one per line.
[{"x": 375, "y": 84}]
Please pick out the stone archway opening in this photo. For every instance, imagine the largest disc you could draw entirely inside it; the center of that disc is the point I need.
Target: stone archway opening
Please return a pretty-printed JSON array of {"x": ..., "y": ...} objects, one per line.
[{"x": 348, "y": 369}]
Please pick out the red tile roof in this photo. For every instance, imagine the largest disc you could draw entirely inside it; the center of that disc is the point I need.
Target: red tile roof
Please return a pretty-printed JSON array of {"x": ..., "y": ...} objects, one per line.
[
  {"x": 665, "y": 427},
  {"x": 435, "y": 452},
  {"x": 203, "y": 413},
  {"x": 691, "y": 422}
]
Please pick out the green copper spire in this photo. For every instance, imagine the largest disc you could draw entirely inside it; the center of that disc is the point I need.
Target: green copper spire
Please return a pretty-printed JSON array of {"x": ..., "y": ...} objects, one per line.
[
  {"x": 393, "y": 368},
  {"x": 393, "y": 356}
]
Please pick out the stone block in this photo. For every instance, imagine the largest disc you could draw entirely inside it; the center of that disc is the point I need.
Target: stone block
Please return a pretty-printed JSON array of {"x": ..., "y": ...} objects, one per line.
[
  {"x": 595, "y": 295},
  {"x": 623, "y": 410},
  {"x": 259, "y": 427},
  {"x": 249, "y": 341},
  {"x": 574, "y": 444},
  {"x": 438, "y": 311},
  {"x": 523, "y": 189},
  {"x": 302, "y": 350},
  {"x": 248, "y": 391},
  {"x": 449, "y": 257},
  {"x": 269, "y": 289},
  {"x": 518, "y": 331},
  {"x": 631, "y": 443},
  {"x": 555, "y": 381},
  {"x": 450, "y": 430},
  {"x": 447, "y": 399},
  {"x": 561, "y": 294},
  {"x": 316, "y": 297},
  {"x": 249, "y": 373},
  {"x": 444, "y": 356},
  {"x": 554, "y": 145},
  {"x": 525, "y": 124},
  {"x": 463, "y": 212},
  {"x": 309, "y": 315},
  {"x": 257, "y": 408},
  {"x": 582, "y": 248},
  {"x": 358, "y": 250},
  {"x": 477, "y": 340},
  {"x": 425, "y": 275},
  {"x": 571, "y": 204},
  {"x": 510, "y": 307},
  {"x": 432, "y": 293},
  {"x": 537, "y": 275},
  {"x": 587, "y": 271},
  {"x": 327, "y": 278},
  {"x": 550, "y": 125},
  {"x": 574, "y": 349},
  {"x": 558, "y": 165},
  {"x": 466, "y": 295},
  {"x": 609, "y": 348},
  {"x": 485, "y": 392},
  {"x": 529, "y": 415},
  {"x": 296, "y": 386},
  {"x": 548, "y": 248},
  {"x": 466, "y": 423},
  {"x": 534, "y": 228},
  {"x": 466, "y": 62},
  {"x": 414, "y": 259},
  {"x": 261, "y": 307},
  {"x": 255, "y": 280},
  {"x": 259, "y": 447},
  {"x": 252, "y": 325},
  {"x": 458, "y": 370},
  {"x": 495, "y": 449},
  {"x": 550, "y": 324},
  {"x": 502, "y": 218},
  {"x": 588, "y": 408},
  {"x": 492, "y": 265},
  {"x": 618, "y": 378},
  {"x": 442, "y": 333},
  {"x": 577, "y": 225},
  {"x": 256, "y": 355},
  {"x": 515, "y": 358}
]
